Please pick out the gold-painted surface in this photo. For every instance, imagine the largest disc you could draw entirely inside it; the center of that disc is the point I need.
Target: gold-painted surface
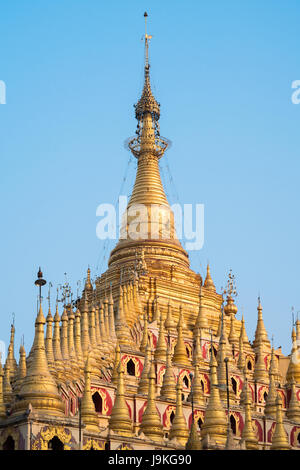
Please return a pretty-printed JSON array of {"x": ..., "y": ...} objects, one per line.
[{"x": 151, "y": 424}]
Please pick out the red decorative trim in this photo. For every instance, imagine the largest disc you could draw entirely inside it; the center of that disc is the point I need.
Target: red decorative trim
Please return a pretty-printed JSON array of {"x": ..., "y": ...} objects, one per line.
[
  {"x": 258, "y": 430},
  {"x": 106, "y": 400},
  {"x": 166, "y": 416}
]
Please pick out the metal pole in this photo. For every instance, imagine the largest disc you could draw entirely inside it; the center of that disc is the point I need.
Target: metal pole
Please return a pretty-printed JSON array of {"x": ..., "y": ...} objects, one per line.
[
  {"x": 192, "y": 395},
  {"x": 227, "y": 385}
]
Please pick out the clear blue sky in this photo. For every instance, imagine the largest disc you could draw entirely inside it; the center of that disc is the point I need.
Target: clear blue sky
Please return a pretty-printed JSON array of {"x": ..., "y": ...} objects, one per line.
[{"x": 222, "y": 72}]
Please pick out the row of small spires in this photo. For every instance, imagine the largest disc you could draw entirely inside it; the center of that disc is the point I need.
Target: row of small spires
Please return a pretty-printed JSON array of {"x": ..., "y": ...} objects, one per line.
[
  {"x": 230, "y": 308},
  {"x": 68, "y": 347}
]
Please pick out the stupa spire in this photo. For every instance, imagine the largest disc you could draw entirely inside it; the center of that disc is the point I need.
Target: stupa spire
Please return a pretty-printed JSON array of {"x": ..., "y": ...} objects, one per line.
[
  {"x": 114, "y": 377},
  {"x": 88, "y": 283},
  {"x": 120, "y": 421},
  {"x": 209, "y": 283},
  {"x": 169, "y": 322},
  {"x": 7, "y": 389},
  {"x": 198, "y": 355},
  {"x": 148, "y": 141},
  {"x": 168, "y": 388},
  {"x": 280, "y": 439},
  {"x": 89, "y": 415},
  {"x": 193, "y": 442},
  {"x": 71, "y": 342},
  {"x": 197, "y": 393},
  {"x": 260, "y": 332},
  {"x": 122, "y": 329},
  {"x": 293, "y": 411},
  {"x": 77, "y": 339},
  {"x": 11, "y": 352},
  {"x": 144, "y": 380},
  {"x": 21, "y": 373},
  {"x": 215, "y": 422},
  {"x": 59, "y": 365},
  {"x": 49, "y": 342},
  {"x": 241, "y": 358},
  {"x": 260, "y": 371},
  {"x": 144, "y": 340},
  {"x": 293, "y": 371},
  {"x": 161, "y": 347},
  {"x": 151, "y": 423},
  {"x": 64, "y": 335},
  {"x": 2, "y": 405},
  {"x": 201, "y": 321},
  {"x": 270, "y": 408},
  {"x": 111, "y": 316},
  {"x": 85, "y": 337},
  {"x": 179, "y": 428}
]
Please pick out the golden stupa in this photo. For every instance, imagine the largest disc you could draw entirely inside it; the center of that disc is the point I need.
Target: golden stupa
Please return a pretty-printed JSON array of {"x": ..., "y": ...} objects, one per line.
[{"x": 150, "y": 357}]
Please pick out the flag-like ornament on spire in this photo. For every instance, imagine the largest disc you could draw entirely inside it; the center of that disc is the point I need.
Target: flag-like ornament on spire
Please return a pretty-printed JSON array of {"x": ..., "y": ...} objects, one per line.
[
  {"x": 40, "y": 282},
  {"x": 147, "y": 113}
]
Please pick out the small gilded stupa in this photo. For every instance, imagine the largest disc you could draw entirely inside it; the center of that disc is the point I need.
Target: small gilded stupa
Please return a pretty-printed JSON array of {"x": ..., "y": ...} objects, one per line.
[{"x": 150, "y": 355}]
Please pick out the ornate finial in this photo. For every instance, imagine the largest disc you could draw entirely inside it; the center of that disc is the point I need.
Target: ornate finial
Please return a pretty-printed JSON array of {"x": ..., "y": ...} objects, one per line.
[
  {"x": 208, "y": 283},
  {"x": 48, "y": 297},
  {"x": 280, "y": 439},
  {"x": 230, "y": 290},
  {"x": 147, "y": 113},
  {"x": 40, "y": 282}
]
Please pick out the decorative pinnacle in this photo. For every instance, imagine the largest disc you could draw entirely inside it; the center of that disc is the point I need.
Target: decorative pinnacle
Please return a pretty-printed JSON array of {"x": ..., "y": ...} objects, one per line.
[
  {"x": 230, "y": 290},
  {"x": 293, "y": 317},
  {"x": 147, "y": 102}
]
